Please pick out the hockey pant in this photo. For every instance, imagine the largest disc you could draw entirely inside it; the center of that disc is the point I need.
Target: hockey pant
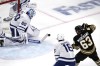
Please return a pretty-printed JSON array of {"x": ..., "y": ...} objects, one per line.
[
  {"x": 63, "y": 63},
  {"x": 80, "y": 57}
]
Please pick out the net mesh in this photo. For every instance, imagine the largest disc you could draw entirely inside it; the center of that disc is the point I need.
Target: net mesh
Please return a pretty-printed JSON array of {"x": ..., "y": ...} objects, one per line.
[
  {"x": 8, "y": 1},
  {"x": 4, "y": 12}
]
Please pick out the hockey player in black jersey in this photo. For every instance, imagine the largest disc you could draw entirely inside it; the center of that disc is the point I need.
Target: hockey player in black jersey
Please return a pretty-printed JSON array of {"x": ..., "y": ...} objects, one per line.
[{"x": 83, "y": 41}]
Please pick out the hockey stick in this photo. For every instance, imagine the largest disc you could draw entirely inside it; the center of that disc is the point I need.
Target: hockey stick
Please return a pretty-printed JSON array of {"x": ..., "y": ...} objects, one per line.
[
  {"x": 39, "y": 41},
  {"x": 13, "y": 39},
  {"x": 29, "y": 40}
]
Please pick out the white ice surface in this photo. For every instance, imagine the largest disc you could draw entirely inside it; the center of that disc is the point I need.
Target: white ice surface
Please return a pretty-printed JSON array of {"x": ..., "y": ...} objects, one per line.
[{"x": 48, "y": 21}]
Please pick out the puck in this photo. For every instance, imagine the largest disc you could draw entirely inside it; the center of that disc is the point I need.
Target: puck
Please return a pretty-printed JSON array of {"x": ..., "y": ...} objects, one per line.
[{"x": 48, "y": 34}]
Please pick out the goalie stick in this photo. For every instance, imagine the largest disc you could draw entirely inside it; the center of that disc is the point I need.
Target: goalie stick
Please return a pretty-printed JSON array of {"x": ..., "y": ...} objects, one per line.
[
  {"x": 29, "y": 40},
  {"x": 39, "y": 41},
  {"x": 13, "y": 39},
  {"x": 23, "y": 40}
]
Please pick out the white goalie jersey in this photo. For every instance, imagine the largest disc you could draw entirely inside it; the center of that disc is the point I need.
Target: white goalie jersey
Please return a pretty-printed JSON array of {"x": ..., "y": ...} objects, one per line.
[
  {"x": 21, "y": 23},
  {"x": 20, "y": 20},
  {"x": 64, "y": 52}
]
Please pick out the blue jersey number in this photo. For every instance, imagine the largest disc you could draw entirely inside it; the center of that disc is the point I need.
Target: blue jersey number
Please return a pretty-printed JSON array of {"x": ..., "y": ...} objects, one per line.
[{"x": 68, "y": 47}]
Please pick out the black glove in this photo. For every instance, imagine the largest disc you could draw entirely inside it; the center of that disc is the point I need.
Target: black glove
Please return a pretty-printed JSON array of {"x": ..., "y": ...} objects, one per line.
[{"x": 84, "y": 25}]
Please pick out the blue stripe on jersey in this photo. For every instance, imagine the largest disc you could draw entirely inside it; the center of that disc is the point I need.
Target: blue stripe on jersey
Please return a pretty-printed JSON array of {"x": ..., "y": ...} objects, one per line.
[
  {"x": 14, "y": 31},
  {"x": 22, "y": 27},
  {"x": 12, "y": 25}
]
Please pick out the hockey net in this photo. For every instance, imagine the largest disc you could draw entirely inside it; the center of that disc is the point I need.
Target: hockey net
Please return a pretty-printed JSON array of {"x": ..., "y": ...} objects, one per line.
[
  {"x": 4, "y": 12},
  {"x": 8, "y": 1}
]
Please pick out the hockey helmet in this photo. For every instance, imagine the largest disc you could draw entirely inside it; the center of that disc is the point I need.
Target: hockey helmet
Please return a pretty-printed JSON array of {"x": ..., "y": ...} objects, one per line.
[
  {"x": 60, "y": 37},
  {"x": 29, "y": 11},
  {"x": 78, "y": 29}
]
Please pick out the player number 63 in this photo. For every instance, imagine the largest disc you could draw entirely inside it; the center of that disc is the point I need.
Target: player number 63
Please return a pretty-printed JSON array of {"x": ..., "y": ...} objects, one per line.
[{"x": 86, "y": 43}]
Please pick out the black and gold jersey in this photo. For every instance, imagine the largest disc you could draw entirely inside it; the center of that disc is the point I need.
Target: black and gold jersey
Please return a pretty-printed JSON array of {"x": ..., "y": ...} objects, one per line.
[{"x": 85, "y": 41}]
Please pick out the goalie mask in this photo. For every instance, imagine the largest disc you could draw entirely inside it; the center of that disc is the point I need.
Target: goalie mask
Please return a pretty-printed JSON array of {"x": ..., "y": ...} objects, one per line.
[
  {"x": 78, "y": 29},
  {"x": 60, "y": 37},
  {"x": 30, "y": 13}
]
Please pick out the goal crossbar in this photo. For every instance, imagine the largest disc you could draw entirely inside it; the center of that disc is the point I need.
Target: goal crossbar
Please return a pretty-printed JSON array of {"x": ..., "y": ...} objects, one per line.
[{"x": 4, "y": 2}]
